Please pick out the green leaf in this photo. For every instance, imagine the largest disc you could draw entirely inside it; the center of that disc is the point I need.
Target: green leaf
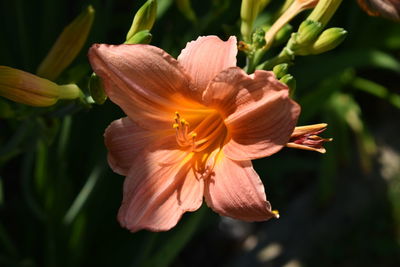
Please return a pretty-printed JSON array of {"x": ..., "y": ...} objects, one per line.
[{"x": 376, "y": 90}]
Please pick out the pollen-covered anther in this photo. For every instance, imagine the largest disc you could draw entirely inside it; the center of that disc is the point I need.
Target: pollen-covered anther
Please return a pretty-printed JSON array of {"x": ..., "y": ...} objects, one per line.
[
  {"x": 276, "y": 214},
  {"x": 183, "y": 137}
]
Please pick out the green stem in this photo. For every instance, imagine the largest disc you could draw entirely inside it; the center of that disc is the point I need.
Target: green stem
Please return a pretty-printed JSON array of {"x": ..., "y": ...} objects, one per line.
[
  {"x": 249, "y": 68},
  {"x": 286, "y": 56},
  {"x": 64, "y": 135}
]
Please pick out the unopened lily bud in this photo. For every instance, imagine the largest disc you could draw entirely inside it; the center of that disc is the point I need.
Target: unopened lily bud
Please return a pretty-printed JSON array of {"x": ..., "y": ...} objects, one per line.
[
  {"x": 67, "y": 46},
  {"x": 308, "y": 32},
  {"x": 142, "y": 37},
  {"x": 248, "y": 13},
  {"x": 328, "y": 40},
  {"x": 144, "y": 18},
  {"x": 292, "y": 10},
  {"x": 96, "y": 89},
  {"x": 290, "y": 81},
  {"x": 280, "y": 70},
  {"x": 32, "y": 90},
  {"x": 389, "y": 9},
  {"x": 283, "y": 35},
  {"x": 258, "y": 38},
  {"x": 324, "y": 11}
]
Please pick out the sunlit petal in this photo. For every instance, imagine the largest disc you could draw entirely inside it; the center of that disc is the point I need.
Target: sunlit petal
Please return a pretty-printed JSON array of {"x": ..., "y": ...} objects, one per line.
[
  {"x": 258, "y": 112},
  {"x": 235, "y": 190},
  {"x": 204, "y": 58},
  {"x": 143, "y": 80}
]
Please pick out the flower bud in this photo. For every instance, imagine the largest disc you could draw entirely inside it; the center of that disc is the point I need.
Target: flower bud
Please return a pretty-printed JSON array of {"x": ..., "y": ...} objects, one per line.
[
  {"x": 283, "y": 35},
  {"x": 389, "y": 9},
  {"x": 248, "y": 13},
  {"x": 144, "y": 18},
  {"x": 290, "y": 81},
  {"x": 258, "y": 38},
  {"x": 292, "y": 10},
  {"x": 324, "y": 11},
  {"x": 29, "y": 89},
  {"x": 67, "y": 46},
  {"x": 328, "y": 40},
  {"x": 142, "y": 37},
  {"x": 280, "y": 70},
  {"x": 308, "y": 32},
  {"x": 96, "y": 89}
]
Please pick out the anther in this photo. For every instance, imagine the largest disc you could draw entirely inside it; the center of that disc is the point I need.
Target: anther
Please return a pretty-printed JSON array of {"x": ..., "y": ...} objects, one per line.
[{"x": 276, "y": 213}]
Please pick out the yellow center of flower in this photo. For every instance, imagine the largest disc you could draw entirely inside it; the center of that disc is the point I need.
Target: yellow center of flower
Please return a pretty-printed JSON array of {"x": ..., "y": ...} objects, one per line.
[{"x": 204, "y": 139}]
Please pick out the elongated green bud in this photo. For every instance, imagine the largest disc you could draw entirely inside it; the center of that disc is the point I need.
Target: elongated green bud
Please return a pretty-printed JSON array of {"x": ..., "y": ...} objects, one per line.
[
  {"x": 328, "y": 40},
  {"x": 144, "y": 18},
  {"x": 281, "y": 70},
  {"x": 308, "y": 31},
  {"x": 248, "y": 13},
  {"x": 295, "y": 8},
  {"x": 67, "y": 46},
  {"x": 283, "y": 35},
  {"x": 142, "y": 37},
  {"x": 324, "y": 11},
  {"x": 32, "y": 90},
  {"x": 96, "y": 89}
]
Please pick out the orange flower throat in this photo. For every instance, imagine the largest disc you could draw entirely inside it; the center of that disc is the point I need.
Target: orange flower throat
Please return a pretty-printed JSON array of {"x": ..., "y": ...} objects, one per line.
[{"x": 203, "y": 140}]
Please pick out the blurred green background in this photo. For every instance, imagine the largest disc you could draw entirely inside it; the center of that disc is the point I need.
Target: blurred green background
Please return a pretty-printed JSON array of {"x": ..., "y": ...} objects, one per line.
[{"x": 59, "y": 199}]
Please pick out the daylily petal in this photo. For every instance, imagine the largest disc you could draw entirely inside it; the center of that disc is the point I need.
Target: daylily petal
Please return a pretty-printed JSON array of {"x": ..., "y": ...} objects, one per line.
[
  {"x": 235, "y": 190},
  {"x": 159, "y": 188},
  {"x": 124, "y": 139},
  {"x": 143, "y": 80},
  {"x": 204, "y": 58},
  {"x": 258, "y": 112}
]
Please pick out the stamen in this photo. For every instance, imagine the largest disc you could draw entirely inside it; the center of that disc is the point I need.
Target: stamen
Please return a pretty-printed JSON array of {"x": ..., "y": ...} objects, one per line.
[
  {"x": 211, "y": 132},
  {"x": 183, "y": 138}
]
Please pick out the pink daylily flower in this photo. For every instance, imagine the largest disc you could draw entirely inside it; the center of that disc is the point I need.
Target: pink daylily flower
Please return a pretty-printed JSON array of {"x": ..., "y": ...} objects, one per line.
[{"x": 193, "y": 126}]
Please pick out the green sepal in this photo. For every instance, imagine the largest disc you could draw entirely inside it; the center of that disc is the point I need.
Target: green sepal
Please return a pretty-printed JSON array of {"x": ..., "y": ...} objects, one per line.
[{"x": 142, "y": 37}]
